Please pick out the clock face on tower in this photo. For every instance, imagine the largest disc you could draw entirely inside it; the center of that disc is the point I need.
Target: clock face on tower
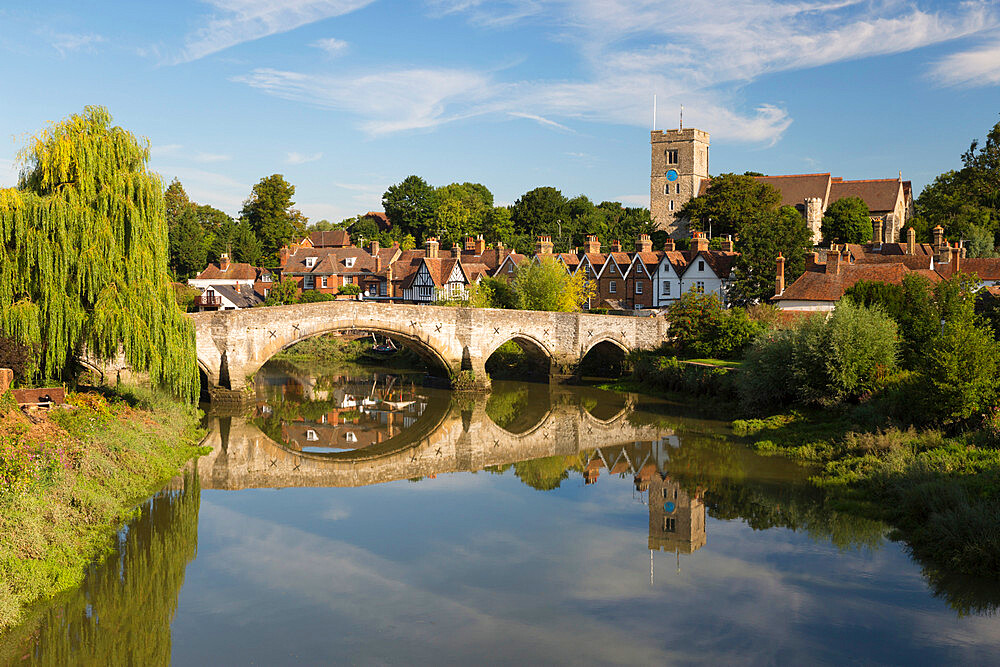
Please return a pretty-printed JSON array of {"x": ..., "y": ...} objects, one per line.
[{"x": 672, "y": 175}]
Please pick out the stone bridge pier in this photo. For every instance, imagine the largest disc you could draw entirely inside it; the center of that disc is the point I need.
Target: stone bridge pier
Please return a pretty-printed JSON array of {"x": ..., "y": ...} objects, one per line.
[{"x": 232, "y": 345}]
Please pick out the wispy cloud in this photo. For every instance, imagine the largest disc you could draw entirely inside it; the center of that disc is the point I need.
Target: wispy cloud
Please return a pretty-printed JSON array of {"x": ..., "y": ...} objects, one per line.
[
  {"x": 331, "y": 45},
  {"x": 238, "y": 21},
  {"x": 66, "y": 43},
  {"x": 539, "y": 119},
  {"x": 165, "y": 150},
  {"x": 975, "y": 67},
  {"x": 302, "y": 158},
  {"x": 701, "y": 53}
]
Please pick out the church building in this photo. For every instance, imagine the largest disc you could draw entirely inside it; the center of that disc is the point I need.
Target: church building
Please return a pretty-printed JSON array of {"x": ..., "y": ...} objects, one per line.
[{"x": 679, "y": 162}]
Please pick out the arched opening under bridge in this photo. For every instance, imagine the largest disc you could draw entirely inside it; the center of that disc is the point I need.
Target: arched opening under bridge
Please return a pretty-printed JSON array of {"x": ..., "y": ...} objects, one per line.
[
  {"x": 519, "y": 358},
  {"x": 605, "y": 359}
]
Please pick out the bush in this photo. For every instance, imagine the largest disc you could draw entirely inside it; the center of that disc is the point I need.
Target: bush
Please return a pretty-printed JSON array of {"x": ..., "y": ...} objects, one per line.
[
  {"x": 765, "y": 379},
  {"x": 350, "y": 289},
  {"x": 313, "y": 296},
  {"x": 670, "y": 374},
  {"x": 959, "y": 372},
  {"x": 700, "y": 327}
]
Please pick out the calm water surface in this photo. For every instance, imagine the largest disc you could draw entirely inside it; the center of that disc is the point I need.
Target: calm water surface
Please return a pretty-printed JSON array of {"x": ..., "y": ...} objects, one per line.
[{"x": 358, "y": 517}]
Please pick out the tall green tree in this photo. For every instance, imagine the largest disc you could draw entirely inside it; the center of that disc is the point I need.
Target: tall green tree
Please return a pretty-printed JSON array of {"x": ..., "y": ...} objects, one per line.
[
  {"x": 269, "y": 212},
  {"x": 188, "y": 252},
  {"x": 83, "y": 255},
  {"x": 732, "y": 200},
  {"x": 760, "y": 241},
  {"x": 411, "y": 207},
  {"x": 539, "y": 211},
  {"x": 847, "y": 220}
]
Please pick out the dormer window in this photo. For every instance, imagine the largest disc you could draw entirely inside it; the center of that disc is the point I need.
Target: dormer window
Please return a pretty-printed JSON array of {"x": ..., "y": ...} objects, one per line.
[
  {"x": 310, "y": 262},
  {"x": 701, "y": 265},
  {"x": 265, "y": 277},
  {"x": 349, "y": 262}
]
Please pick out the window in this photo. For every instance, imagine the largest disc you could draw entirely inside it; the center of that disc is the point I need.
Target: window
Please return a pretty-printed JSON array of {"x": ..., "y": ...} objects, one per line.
[
  {"x": 349, "y": 262},
  {"x": 308, "y": 282},
  {"x": 613, "y": 287},
  {"x": 638, "y": 287},
  {"x": 666, "y": 493},
  {"x": 322, "y": 281},
  {"x": 672, "y": 156},
  {"x": 699, "y": 287},
  {"x": 669, "y": 525},
  {"x": 611, "y": 268},
  {"x": 510, "y": 268},
  {"x": 266, "y": 292},
  {"x": 310, "y": 262},
  {"x": 265, "y": 277},
  {"x": 371, "y": 290},
  {"x": 383, "y": 289},
  {"x": 424, "y": 292},
  {"x": 311, "y": 436},
  {"x": 350, "y": 437},
  {"x": 666, "y": 288},
  {"x": 666, "y": 189},
  {"x": 701, "y": 265},
  {"x": 670, "y": 204}
]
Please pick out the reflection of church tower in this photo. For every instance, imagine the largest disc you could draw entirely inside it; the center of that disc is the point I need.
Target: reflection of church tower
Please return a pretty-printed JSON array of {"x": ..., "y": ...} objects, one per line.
[{"x": 676, "y": 519}]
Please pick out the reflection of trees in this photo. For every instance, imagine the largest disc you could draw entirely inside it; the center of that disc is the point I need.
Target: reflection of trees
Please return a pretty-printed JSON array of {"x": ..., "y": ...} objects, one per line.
[
  {"x": 546, "y": 473},
  {"x": 121, "y": 614},
  {"x": 518, "y": 407},
  {"x": 963, "y": 593}
]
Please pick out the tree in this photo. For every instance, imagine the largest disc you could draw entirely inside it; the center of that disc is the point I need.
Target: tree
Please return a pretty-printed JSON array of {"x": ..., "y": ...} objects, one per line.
[
  {"x": 731, "y": 201},
  {"x": 499, "y": 226},
  {"x": 283, "y": 293},
  {"x": 981, "y": 242},
  {"x": 546, "y": 285},
  {"x": 539, "y": 211},
  {"x": 960, "y": 371},
  {"x": 270, "y": 215},
  {"x": 175, "y": 202},
  {"x": 493, "y": 293},
  {"x": 847, "y": 220},
  {"x": 246, "y": 247},
  {"x": 760, "y": 241},
  {"x": 411, "y": 207},
  {"x": 83, "y": 255},
  {"x": 188, "y": 252},
  {"x": 467, "y": 208}
]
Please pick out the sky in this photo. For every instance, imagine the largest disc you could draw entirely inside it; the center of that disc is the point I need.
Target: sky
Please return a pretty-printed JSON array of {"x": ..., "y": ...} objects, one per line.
[{"x": 347, "y": 97}]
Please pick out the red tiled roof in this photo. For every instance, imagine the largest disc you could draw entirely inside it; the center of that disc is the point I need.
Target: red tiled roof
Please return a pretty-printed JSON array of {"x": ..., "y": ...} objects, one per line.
[
  {"x": 235, "y": 271},
  {"x": 818, "y": 285},
  {"x": 337, "y": 238},
  {"x": 986, "y": 268}
]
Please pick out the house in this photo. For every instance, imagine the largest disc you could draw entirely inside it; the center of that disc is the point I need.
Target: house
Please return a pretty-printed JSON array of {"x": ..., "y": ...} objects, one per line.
[
  {"x": 246, "y": 285},
  {"x": 225, "y": 272},
  {"x": 228, "y": 297},
  {"x": 431, "y": 277},
  {"x": 336, "y": 238},
  {"x": 327, "y": 269}
]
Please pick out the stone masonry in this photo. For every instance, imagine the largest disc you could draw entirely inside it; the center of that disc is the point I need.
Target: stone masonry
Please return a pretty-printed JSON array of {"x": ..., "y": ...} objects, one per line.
[
  {"x": 690, "y": 147},
  {"x": 233, "y": 344}
]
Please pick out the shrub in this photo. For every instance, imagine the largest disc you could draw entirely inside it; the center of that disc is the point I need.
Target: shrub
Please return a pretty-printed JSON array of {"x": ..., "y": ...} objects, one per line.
[
  {"x": 765, "y": 379},
  {"x": 313, "y": 296},
  {"x": 350, "y": 289},
  {"x": 959, "y": 372},
  {"x": 700, "y": 327}
]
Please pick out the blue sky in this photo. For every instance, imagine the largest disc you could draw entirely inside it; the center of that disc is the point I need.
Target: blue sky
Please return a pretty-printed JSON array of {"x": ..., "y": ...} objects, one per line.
[{"x": 346, "y": 97}]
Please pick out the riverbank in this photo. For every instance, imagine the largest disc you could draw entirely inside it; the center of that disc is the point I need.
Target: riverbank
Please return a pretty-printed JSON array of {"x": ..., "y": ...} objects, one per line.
[{"x": 73, "y": 476}]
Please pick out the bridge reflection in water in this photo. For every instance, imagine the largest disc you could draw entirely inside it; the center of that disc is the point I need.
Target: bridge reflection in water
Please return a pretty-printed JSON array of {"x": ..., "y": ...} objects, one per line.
[{"x": 432, "y": 433}]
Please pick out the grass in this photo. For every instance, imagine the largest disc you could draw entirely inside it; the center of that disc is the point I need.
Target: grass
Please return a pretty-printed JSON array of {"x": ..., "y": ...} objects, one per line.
[
  {"x": 721, "y": 363},
  {"x": 99, "y": 458}
]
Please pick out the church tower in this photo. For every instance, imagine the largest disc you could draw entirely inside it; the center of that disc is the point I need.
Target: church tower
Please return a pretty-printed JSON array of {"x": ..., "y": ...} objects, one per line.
[{"x": 679, "y": 165}]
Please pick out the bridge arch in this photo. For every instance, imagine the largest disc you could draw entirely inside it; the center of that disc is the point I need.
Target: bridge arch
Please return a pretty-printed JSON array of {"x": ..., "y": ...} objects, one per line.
[{"x": 538, "y": 353}]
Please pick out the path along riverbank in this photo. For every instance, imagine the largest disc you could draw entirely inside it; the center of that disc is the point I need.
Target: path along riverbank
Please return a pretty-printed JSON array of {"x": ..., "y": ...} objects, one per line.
[{"x": 70, "y": 478}]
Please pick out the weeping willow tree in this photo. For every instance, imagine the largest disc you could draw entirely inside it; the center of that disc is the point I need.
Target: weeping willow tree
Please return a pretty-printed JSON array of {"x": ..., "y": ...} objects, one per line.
[{"x": 83, "y": 255}]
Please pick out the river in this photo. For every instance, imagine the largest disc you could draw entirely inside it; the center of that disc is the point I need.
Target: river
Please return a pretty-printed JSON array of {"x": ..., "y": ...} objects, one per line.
[{"x": 358, "y": 517}]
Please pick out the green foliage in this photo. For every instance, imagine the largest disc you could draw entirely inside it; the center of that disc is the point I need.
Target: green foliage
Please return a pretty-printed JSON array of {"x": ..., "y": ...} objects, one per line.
[
  {"x": 349, "y": 289},
  {"x": 981, "y": 242},
  {"x": 544, "y": 474},
  {"x": 761, "y": 240},
  {"x": 188, "y": 251},
  {"x": 731, "y": 202},
  {"x": 16, "y": 356},
  {"x": 493, "y": 293},
  {"x": 83, "y": 255},
  {"x": 700, "y": 327},
  {"x": 537, "y": 211},
  {"x": 269, "y": 213},
  {"x": 847, "y": 220},
  {"x": 314, "y": 296},
  {"x": 546, "y": 285},
  {"x": 283, "y": 293},
  {"x": 960, "y": 371},
  {"x": 411, "y": 207},
  {"x": 658, "y": 371}
]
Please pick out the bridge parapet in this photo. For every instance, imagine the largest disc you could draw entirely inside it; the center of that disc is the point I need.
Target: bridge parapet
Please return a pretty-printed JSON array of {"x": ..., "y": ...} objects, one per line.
[{"x": 234, "y": 344}]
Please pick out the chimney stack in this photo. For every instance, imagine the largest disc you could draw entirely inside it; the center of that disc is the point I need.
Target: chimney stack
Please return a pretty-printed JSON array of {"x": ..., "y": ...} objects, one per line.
[
  {"x": 956, "y": 258},
  {"x": 668, "y": 245},
  {"x": 727, "y": 245},
  {"x": 283, "y": 255},
  {"x": 224, "y": 261},
  {"x": 543, "y": 246},
  {"x": 877, "y": 232},
  {"x": 592, "y": 245},
  {"x": 911, "y": 241},
  {"x": 833, "y": 262},
  {"x": 479, "y": 247},
  {"x": 812, "y": 259},
  {"x": 699, "y": 243},
  {"x": 373, "y": 248},
  {"x": 938, "y": 237},
  {"x": 779, "y": 276},
  {"x": 432, "y": 245},
  {"x": 616, "y": 246},
  {"x": 470, "y": 244},
  {"x": 456, "y": 251},
  {"x": 644, "y": 244},
  {"x": 500, "y": 245}
]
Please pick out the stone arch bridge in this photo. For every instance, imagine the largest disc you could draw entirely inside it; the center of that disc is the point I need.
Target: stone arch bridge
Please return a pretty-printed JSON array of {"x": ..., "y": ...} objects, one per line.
[{"x": 234, "y": 344}]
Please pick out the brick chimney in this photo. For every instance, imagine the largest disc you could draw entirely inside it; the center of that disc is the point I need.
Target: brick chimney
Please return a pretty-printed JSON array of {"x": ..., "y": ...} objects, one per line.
[
  {"x": 877, "y": 232},
  {"x": 592, "y": 245},
  {"x": 668, "y": 245},
  {"x": 470, "y": 244},
  {"x": 812, "y": 259},
  {"x": 373, "y": 248},
  {"x": 644, "y": 244},
  {"x": 283, "y": 255},
  {"x": 456, "y": 251},
  {"x": 699, "y": 243},
  {"x": 779, "y": 276},
  {"x": 938, "y": 237},
  {"x": 224, "y": 261},
  {"x": 431, "y": 245},
  {"x": 543, "y": 246},
  {"x": 956, "y": 258},
  {"x": 727, "y": 245},
  {"x": 911, "y": 241},
  {"x": 479, "y": 247},
  {"x": 378, "y": 262},
  {"x": 616, "y": 246},
  {"x": 499, "y": 245},
  {"x": 833, "y": 262}
]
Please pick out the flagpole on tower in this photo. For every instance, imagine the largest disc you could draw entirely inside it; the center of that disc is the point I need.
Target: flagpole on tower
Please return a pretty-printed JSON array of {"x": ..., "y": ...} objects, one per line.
[
  {"x": 654, "y": 113},
  {"x": 682, "y": 117}
]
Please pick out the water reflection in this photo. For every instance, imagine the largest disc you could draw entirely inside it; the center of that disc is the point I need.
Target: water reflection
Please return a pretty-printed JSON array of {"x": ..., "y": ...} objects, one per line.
[{"x": 547, "y": 546}]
